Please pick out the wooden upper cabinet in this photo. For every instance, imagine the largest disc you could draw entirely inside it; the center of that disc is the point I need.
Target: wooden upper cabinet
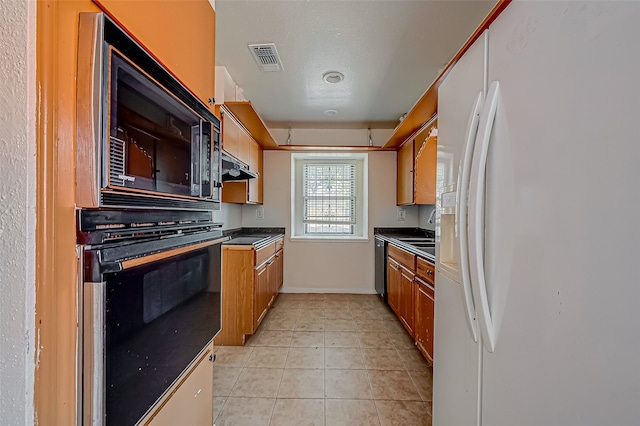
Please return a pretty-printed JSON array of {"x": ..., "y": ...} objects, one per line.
[
  {"x": 235, "y": 139},
  {"x": 405, "y": 174},
  {"x": 425, "y": 170},
  {"x": 230, "y": 135},
  {"x": 245, "y": 191},
  {"x": 255, "y": 165},
  {"x": 181, "y": 36},
  {"x": 417, "y": 165},
  {"x": 244, "y": 147}
]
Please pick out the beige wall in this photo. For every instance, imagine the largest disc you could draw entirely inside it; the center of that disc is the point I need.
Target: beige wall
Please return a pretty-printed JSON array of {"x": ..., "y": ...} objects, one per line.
[
  {"x": 337, "y": 266},
  {"x": 17, "y": 211},
  {"x": 423, "y": 217},
  {"x": 230, "y": 215}
]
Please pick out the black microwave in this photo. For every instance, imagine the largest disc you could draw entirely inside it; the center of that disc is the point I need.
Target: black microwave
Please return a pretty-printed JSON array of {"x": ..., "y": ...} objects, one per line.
[{"x": 143, "y": 139}]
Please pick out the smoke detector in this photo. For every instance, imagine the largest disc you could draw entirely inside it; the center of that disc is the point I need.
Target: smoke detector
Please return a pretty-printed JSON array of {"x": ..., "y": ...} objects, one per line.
[
  {"x": 332, "y": 77},
  {"x": 266, "y": 56}
]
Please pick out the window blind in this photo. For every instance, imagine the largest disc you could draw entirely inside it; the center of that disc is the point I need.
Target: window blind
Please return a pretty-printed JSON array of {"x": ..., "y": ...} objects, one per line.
[{"x": 329, "y": 197}]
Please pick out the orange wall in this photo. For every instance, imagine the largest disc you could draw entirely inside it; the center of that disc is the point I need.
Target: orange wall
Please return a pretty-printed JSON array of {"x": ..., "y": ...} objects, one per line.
[
  {"x": 56, "y": 275},
  {"x": 178, "y": 33},
  {"x": 56, "y": 322}
]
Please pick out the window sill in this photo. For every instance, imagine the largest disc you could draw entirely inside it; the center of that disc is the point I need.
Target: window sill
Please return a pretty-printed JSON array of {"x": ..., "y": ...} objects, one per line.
[{"x": 329, "y": 238}]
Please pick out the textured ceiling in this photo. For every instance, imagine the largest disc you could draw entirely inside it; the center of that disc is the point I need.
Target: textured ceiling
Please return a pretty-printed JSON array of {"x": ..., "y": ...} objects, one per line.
[{"x": 389, "y": 52}]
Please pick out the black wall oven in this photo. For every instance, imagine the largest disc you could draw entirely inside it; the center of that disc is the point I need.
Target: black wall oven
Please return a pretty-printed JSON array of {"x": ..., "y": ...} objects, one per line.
[
  {"x": 143, "y": 140},
  {"x": 150, "y": 287}
]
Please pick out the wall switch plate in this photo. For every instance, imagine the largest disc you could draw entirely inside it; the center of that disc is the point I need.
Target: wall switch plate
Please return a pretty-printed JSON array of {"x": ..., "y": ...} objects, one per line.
[
  {"x": 260, "y": 212},
  {"x": 401, "y": 214}
]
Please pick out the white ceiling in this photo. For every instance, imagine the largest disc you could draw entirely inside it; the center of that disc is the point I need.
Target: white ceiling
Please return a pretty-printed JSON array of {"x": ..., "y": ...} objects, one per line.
[{"x": 389, "y": 51}]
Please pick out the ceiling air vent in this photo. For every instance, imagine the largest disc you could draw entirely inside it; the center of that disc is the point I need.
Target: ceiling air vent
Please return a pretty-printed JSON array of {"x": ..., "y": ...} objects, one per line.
[{"x": 266, "y": 56}]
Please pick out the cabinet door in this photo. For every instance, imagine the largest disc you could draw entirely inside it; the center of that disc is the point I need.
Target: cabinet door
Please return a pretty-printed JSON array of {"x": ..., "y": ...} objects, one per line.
[
  {"x": 424, "y": 319},
  {"x": 255, "y": 165},
  {"x": 244, "y": 147},
  {"x": 279, "y": 270},
  {"x": 181, "y": 35},
  {"x": 260, "y": 294},
  {"x": 393, "y": 289},
  {"x": 191, "y": 402},
  {"x": 230, "y": 135},
  {"x": 406, "y": 299},
  {"x": 404, "y": 191},
  {"x": 272, "y": 270},
  {"x": 425, "y": 171}
]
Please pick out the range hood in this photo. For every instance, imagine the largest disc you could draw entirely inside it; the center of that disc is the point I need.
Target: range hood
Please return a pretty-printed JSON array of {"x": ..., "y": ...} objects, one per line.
[{"x": 234, "y": 170}]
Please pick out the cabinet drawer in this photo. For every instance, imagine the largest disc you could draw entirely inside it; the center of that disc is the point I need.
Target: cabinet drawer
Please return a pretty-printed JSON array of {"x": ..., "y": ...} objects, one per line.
[
  {"x": 405, "y": 258},
  {"x": 425, "y": 270},
  {"x": 265, "y": 253},
  {"x": 279, "y": 244},
  {"x": 191, "y": 401}
]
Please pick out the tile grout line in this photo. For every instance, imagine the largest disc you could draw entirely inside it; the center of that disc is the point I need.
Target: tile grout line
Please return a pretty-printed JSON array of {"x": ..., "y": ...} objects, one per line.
[
  {"x": 324, "y": 379},
  {"x": 373, "y": 398}
]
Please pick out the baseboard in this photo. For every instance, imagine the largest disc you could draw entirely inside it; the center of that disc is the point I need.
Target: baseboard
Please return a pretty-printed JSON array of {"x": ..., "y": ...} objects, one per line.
[{"x": 290, "y": 289}]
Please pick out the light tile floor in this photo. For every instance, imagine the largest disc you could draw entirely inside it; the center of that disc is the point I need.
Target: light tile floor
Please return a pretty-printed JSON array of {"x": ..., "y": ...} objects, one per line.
[{"x": 324, "y": 359}]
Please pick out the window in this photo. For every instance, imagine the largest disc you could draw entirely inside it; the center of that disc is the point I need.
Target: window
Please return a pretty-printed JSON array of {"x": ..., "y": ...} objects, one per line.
[{"x": 329, "y": 196}]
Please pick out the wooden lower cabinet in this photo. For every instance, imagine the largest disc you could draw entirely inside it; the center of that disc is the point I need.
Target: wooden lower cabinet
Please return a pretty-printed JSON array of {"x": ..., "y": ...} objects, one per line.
[
  {"x": 410, "y": 293},
  {"x": 279, "y": 270},
  {"x": 190, "y": 402},
  {"x": 393, "y": 289},
  {"x": 406, "y": 300},
  {"x": 261, "y": 294},
  {"x": 424, "y": 318},
  {"x": 250, "y": 285}
]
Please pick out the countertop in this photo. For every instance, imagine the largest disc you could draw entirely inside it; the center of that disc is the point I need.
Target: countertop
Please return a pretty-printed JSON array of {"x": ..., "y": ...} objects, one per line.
[
  {"x": 256, "y": 237},
  {"x": 394, "y": 236}
]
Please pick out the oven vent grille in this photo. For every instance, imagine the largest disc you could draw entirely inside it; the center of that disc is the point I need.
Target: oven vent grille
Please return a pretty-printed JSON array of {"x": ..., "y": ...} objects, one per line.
[
  {"x": 266, "y": 56},
  {"x": 116, "y": 161}
]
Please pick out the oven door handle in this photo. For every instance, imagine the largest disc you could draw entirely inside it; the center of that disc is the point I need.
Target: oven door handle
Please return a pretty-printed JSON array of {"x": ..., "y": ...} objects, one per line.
[{"x": 132, "y": 263}]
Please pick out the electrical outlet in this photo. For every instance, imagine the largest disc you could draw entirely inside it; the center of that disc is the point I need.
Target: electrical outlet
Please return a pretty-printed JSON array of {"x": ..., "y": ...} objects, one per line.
[
  {"x": 401, "y": 214},
  {"x": 260, "y": 212}
]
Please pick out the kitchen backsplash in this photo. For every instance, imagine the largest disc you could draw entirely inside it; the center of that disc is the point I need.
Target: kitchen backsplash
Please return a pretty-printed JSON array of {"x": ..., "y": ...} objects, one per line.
[{"x": 424, "y": 215}]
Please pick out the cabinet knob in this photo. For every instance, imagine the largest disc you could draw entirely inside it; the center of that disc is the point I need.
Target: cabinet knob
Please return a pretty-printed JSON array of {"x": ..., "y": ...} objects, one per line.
[
  {"x": 429, "y": 273},
  {"x": 212, "y": 357}
]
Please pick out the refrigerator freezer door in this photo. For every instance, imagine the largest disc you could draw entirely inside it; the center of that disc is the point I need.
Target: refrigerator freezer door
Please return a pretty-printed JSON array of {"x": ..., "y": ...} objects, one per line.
[
  {"x": 456, "y": 354},
  {"x": 462, "y": 189},
  {"x": 561, "y": 216},
  {"x": 455, "y": 99}
]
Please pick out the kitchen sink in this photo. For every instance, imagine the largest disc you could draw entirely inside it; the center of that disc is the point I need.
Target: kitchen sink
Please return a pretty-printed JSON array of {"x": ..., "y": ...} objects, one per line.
[
  {"x": 417, "y": 240},
  {"x": 423, "y": 245}
]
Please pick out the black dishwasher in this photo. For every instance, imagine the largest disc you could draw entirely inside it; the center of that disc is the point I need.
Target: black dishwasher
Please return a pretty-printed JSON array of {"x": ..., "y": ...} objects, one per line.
[{"x": 381, "y": 267}]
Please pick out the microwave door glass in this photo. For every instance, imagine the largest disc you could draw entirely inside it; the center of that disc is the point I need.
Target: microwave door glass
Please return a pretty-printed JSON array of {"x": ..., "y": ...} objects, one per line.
[
  {"x": 206, "y": 154},
  {"x": 152, "y": 135}
]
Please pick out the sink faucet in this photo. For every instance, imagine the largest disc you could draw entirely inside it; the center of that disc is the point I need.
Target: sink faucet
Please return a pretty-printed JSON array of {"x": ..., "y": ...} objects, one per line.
[{"x": 432, "y": 216}]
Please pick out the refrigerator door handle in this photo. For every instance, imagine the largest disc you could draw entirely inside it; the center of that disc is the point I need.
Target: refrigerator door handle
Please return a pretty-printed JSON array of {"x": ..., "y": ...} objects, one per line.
[
  {"x": 476, "y": 216},
  {"x": 461, "y": 217}
]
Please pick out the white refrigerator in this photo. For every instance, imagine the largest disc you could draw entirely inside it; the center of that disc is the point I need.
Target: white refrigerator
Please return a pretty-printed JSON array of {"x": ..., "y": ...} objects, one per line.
[{"x": 537, "y": 303}]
